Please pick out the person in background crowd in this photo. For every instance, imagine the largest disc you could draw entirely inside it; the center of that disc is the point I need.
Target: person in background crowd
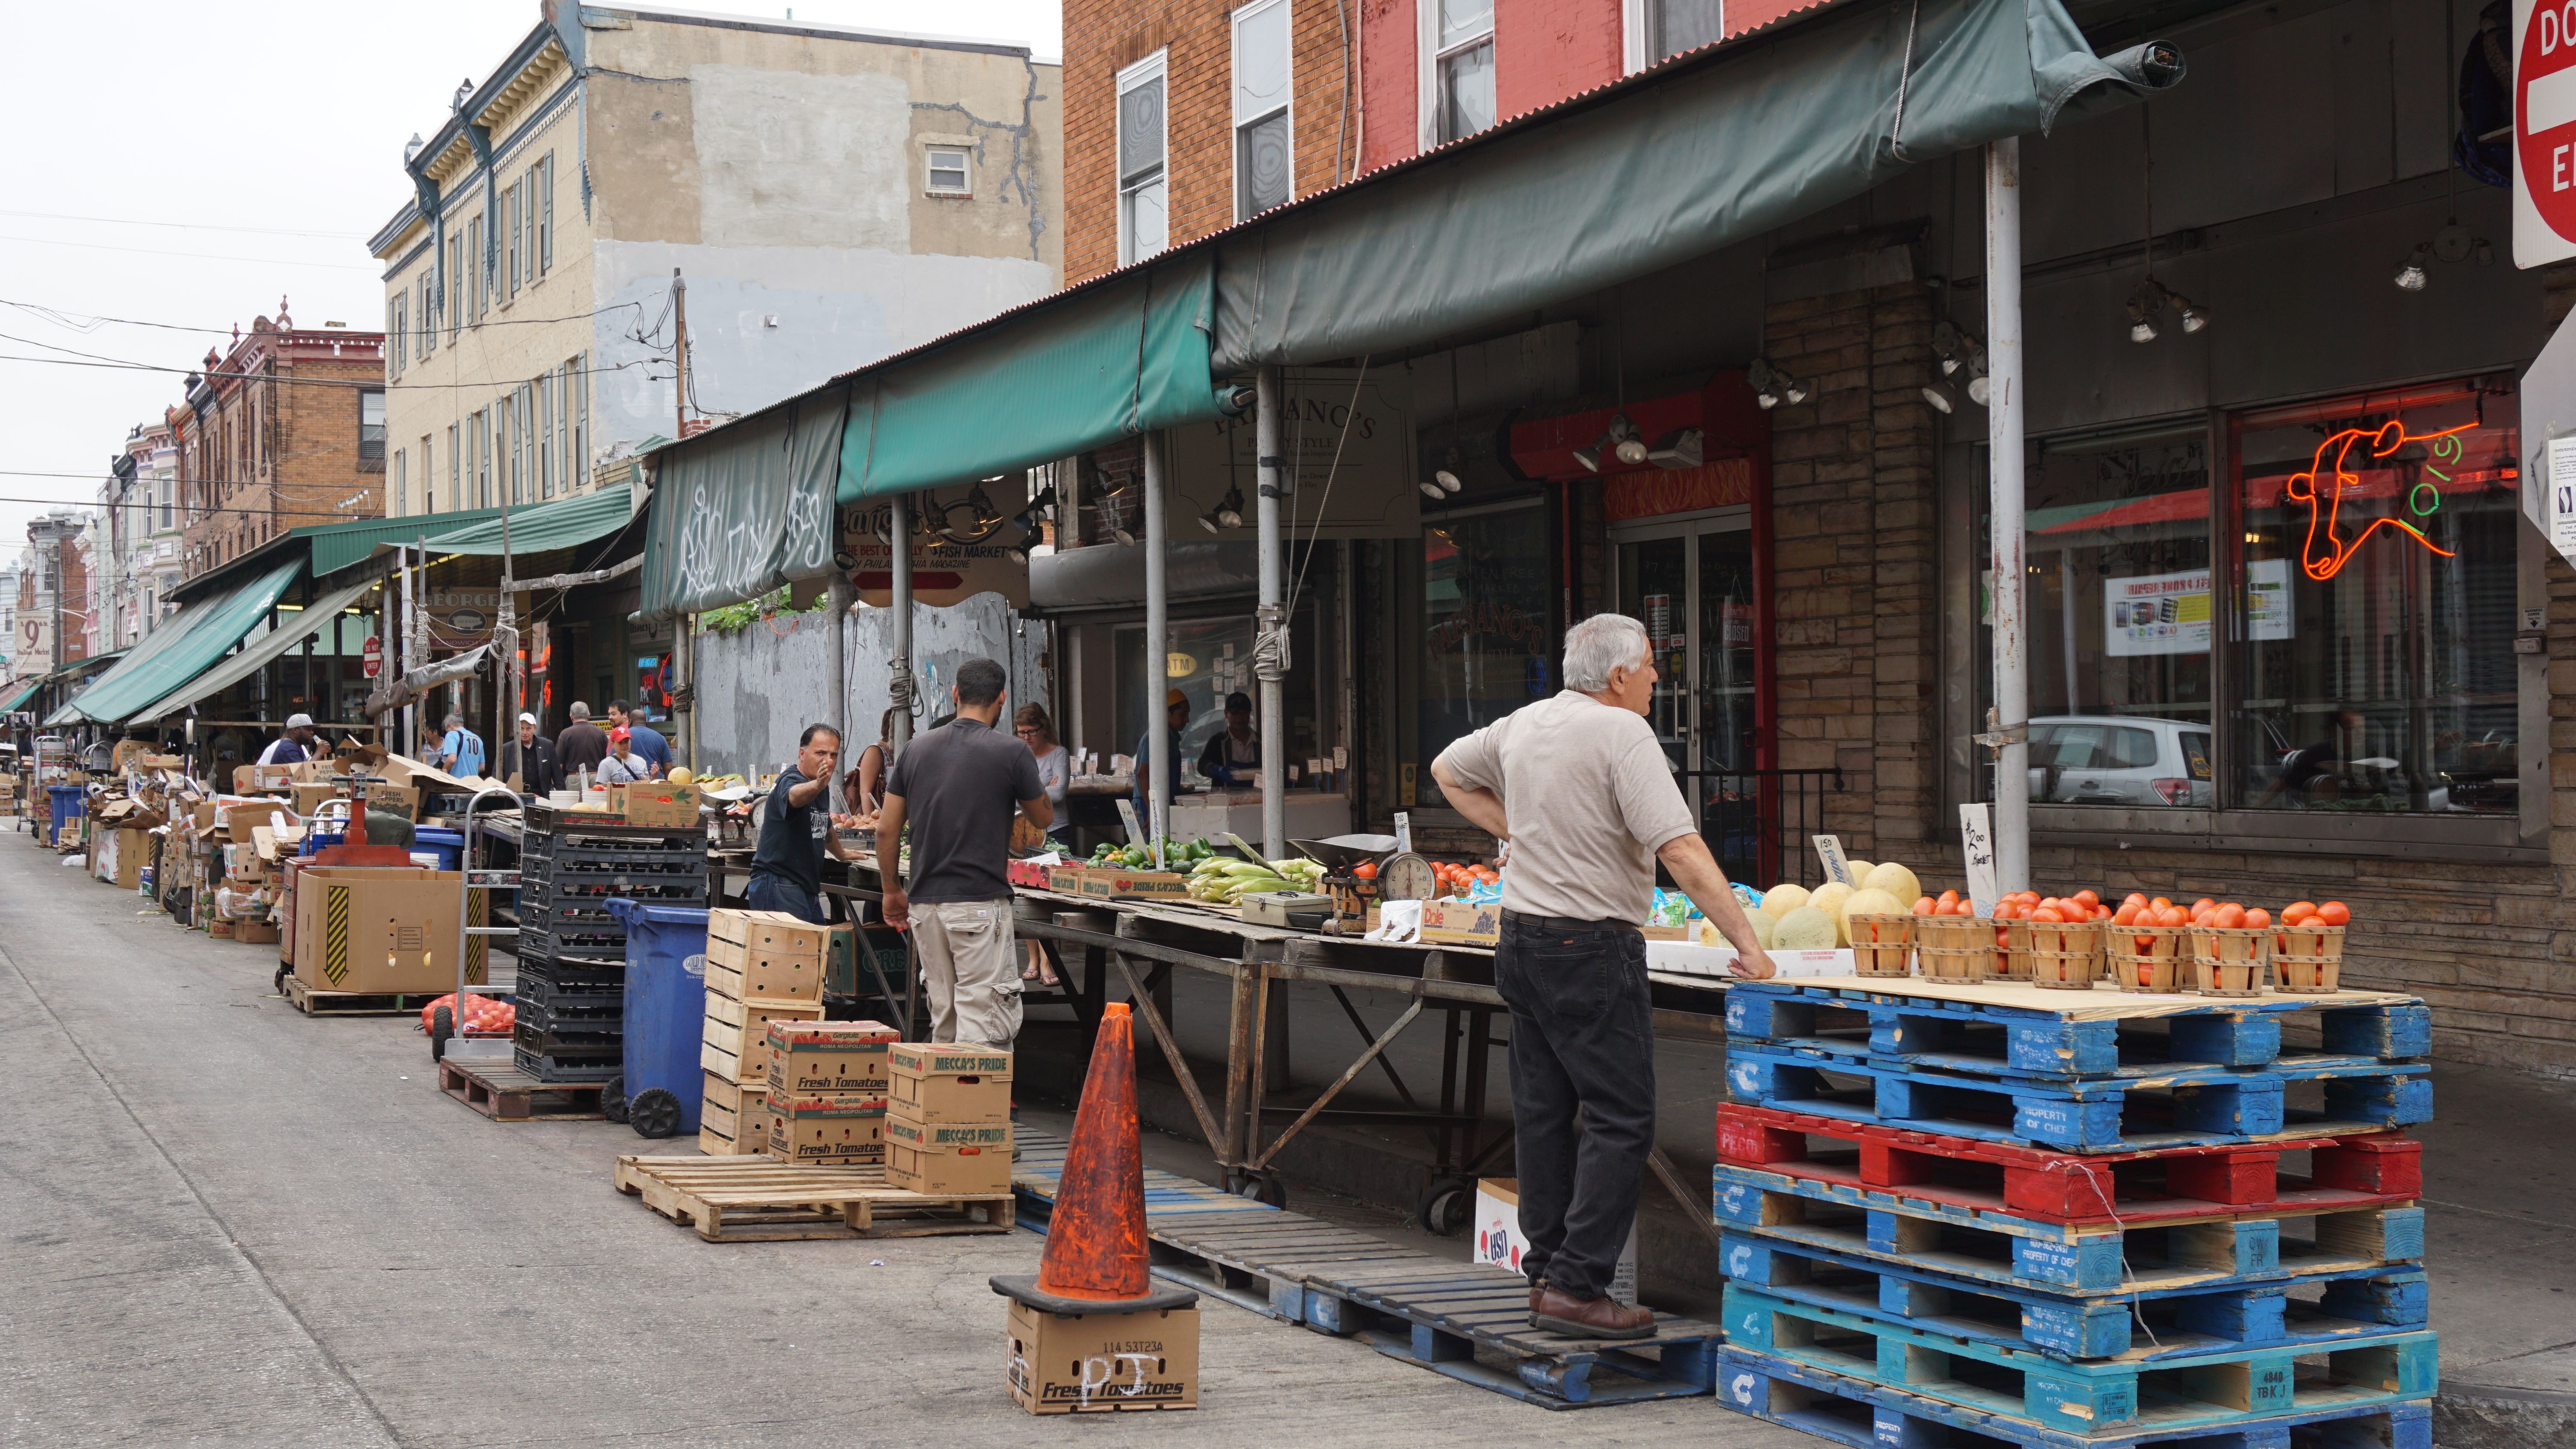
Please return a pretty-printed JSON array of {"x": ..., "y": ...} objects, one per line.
[
  {"x": 1233, "y": 754},
  {"x": 1176, "y": 709},
  {"x": 461, "y": 748},
  {"x": 958, "y": 785},
  {"x": 650, "y": 746},
  {"x": 531, "y": 757},
  {"x": 581, "y": 746},
  {"x": 1055, "y": 771},
  {"x": 796, "y": 828},
  {"x": 864, "y": 790},
  {"x": 622, "y": 767},
  {"x": 1583, "y": 793},
  {"x": 293, "y": 747}
]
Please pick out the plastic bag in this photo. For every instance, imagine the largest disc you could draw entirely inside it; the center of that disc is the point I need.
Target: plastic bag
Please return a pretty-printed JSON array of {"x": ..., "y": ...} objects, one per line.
[{"x": 483, "y": 1015}]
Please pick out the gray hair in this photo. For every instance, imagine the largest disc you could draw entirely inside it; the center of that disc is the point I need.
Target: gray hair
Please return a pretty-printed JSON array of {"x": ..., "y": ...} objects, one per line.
[
  {"x": 580, "y": 711},
  {"x": 1600, "y": 644},
  {"x": 454, "y": 719}
]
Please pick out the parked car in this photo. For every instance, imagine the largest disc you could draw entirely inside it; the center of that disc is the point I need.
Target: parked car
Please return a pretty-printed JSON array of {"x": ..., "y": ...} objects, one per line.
[{"x": 2087, "y": 759}]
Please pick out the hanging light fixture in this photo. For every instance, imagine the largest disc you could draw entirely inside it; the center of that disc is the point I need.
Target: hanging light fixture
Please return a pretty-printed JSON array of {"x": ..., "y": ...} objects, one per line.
[
  {"x": 1938, "y": 394},
  {"x": 2145, "y": 305},
  {"x": 1771, "y": 386},
  {"x": 1620, "y": 441},
  {"x": 2194, "y": 316},
  {"x": 2411, "y": 276}
]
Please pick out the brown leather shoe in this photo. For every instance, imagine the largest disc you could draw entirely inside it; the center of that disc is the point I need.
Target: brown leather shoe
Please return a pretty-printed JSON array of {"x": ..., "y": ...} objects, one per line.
[
  {"x": 1561, "y": 1312},
  {"x": 1538, "y": 1286}
]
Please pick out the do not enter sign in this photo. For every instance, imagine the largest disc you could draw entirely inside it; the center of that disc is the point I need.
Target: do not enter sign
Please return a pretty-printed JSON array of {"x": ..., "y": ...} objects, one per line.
[{"x": 2544, "y": 131}]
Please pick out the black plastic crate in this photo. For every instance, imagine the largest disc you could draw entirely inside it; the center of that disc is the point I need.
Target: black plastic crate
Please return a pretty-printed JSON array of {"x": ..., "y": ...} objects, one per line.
[
  {"x": 594, "y": 893},
  {"x": 590, "y": 918},
  {"x": 569, "y": 1041},
  {"x": 569, "y": 979},
  {"x": 536, "y": 943},
  {"x": 569, "y": 1067},
  {"x": 552, "y": 1015},
  {"x": 591, "y": 866}
]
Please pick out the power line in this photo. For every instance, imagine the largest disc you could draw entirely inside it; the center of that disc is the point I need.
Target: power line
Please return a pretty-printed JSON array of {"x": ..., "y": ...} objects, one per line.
[
  {"x": 58, "y": 317},
  {"x": 190, "y": 225},
  {"x": 44, "y": 241},
  {"x": 288, "y": 379}
]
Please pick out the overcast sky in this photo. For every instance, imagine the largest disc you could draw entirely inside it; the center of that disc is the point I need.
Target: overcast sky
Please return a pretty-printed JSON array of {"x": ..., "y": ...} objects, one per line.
[{"x": 188, "y": 164}]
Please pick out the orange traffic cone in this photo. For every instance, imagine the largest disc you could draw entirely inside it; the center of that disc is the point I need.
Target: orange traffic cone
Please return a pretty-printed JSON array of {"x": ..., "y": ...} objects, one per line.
[{"x": 1091, "y": 1330}]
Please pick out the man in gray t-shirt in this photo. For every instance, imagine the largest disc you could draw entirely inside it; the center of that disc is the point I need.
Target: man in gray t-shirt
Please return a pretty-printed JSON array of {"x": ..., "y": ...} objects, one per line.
[
  {"x": 958, "y": 786},
  {"x": 1582, "y": 791}
]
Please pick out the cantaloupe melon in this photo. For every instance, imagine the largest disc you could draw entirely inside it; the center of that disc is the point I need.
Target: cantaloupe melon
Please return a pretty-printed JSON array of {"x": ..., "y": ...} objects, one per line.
[
  {"x": 1860, "y": 870},
  {"x": 1894, "y": 879},
  {"x": 682, "y": 775},
  {"x": 1829, "y": 899},
  {"x": 1869, "y": 902},
  {"x": 1783, "y": 898},
  {"x": 1807, "y": 928},
  {"x": 1765, "y": 927}
]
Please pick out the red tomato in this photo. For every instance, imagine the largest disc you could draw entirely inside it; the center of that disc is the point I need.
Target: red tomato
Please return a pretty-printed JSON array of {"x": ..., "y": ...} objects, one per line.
[
  {"x": 1923, "y": 906},
  {"x": 2257, "y": 919},
  {"x": 2160, "y": 902},
  {"x": 2204, "y": 904},
  {"x": 2297, "y": 911},
  {"x": 2088, "y": 898},
  {"x": 2335, "y": 913},
  {"x": 2134, "y": 898},
  {"x": 2047, "y": 914},
  {"x": 2229, "y": 917}
]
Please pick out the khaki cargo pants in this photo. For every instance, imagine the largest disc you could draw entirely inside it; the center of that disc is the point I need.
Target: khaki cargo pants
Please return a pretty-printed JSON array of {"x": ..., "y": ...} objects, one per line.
[{"x": 971, "y": 972}]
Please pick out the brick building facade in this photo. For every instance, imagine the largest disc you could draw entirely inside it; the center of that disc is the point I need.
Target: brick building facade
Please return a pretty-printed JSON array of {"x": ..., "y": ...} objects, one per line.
[{"x": 284, "y": 428}]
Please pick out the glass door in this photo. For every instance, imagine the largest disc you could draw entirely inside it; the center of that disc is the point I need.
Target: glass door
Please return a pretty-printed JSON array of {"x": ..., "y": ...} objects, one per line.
[{"x": 1690, "y": 583}]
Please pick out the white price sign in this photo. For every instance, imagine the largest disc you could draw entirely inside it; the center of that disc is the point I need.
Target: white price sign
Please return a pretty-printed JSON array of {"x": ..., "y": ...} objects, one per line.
[
  {"x": 1977, "y": 844},
  {"x": 1829, "y": 849}
]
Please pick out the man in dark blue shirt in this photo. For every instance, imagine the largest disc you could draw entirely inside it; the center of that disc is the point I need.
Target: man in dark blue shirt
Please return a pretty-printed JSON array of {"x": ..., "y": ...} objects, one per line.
[
  {"x": 649, "y": 744},
  {"x": 796, "y": 828}
]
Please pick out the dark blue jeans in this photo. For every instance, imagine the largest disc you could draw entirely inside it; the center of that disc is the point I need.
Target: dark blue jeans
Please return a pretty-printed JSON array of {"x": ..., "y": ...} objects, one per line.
[
  {"x": 767, "y": 892},
  {"x": 1582, "y": 1048}
]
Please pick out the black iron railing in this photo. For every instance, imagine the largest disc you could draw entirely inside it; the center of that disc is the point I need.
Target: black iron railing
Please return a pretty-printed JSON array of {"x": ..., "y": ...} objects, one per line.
[{"x": 1758, "y": 822}]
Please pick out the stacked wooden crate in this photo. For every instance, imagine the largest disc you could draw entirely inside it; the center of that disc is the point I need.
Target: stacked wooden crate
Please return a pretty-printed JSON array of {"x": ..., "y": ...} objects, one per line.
[{"x": 762, "y": 967}]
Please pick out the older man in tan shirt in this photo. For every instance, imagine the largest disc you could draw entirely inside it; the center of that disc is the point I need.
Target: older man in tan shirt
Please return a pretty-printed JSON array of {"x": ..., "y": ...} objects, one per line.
[{"x": 1581, "y": 788}]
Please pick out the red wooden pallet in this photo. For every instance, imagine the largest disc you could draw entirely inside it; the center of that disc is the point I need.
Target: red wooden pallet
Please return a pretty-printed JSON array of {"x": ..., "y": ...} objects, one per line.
[{"x": 2130, "y": 1188}]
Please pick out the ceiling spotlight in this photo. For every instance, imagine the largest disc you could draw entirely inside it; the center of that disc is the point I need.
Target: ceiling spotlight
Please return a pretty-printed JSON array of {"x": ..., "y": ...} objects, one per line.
[
  {"x": 1680, "y": 448},
  {"x": 1765, "y": 382},
  {"x": 1435, "y": 491},
  {"x": 1793, "y": 390},
  {"x": 1619, "y": 440},
  {"x": 1448, "y": 481},
  {"x": 1229, "y": 509},
  {"x": 1938, "y": 394},
  {"x": 2411, "y": 276},
  {"x": 1981, "y": 388},
  {"x": 2194, "y": 316},
  {"x": 1208, "y": 521},
  {"x": 2145, "y": 305},
  {"x": 1122, "y": 535}
]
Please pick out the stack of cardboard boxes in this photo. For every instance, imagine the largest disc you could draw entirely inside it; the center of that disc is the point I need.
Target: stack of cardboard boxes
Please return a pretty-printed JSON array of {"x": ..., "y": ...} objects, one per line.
[
  {"x": 763, "y": 967},
  {"x": 9, "y": 806},
  {"x": 827, "y": 1092},
  {"x": 948, "y": 1119}
]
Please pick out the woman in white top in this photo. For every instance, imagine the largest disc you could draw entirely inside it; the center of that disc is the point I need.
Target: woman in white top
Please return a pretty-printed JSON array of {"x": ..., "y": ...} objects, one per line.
[
  {"x": 621, "y": 767},
  {"x": 1055, "y": 771}
]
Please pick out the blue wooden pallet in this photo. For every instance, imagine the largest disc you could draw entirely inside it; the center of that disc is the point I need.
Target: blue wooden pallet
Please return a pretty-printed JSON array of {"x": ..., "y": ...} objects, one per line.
[
  {"x": 1893, "y": 1025},
  {"x": 2207, "y": 1390},
  {"x": 2194, "y": 1108},
  {"x": 2082, "y": 1260},
  {"x": 2307, "y": 1311},
  {"x": 1865, "y": 1415}
]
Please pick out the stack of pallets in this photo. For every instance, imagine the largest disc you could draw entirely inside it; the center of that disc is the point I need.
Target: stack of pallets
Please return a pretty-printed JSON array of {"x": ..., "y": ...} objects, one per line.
[
  {"x": 572, "y": 951},
  {"x": 1978, "y": 1213}
]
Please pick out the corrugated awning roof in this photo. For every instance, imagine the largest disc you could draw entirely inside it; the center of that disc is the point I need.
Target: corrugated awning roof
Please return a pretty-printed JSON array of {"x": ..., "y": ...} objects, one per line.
[
  {"x": 179, "y": 650},
  {"x": 290, "y": 631},
  {"x": 563, "y": 523}
]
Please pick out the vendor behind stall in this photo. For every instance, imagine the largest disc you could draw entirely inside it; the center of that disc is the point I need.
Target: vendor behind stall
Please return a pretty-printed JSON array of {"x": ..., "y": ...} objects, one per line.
[
  {"x": 1176, "y": 706},
  {"x": 796, "y": 828},
  {"x": 293, "y": 747},
  {"x": 1580, "y": 788},
  {"x": 1233, "y": 754}
]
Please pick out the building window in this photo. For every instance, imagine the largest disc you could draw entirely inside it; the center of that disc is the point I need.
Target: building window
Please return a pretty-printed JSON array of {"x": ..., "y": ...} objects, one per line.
[
  {"x": 1485, "y": 589},
  {"x": 401, "y": 473},
  {"x": 549, "y": 402},
  {"x": 510, "y": 214},
  {"x": 1144, "y": 221},
  {"x": 371, "y": 424},
  {"x": 945, "y": 171},
  {"x": 397, "y": 313},
  {"x": 577, "y": 464},
  {"x": 1264, "y": 162},
  {"x": 542, "y": 176},
  {"x": 1664, "y": 28},
  {"x": 1458, "y": 69},
  {"x": 479, "y": 269},
  {"x": 455, "y": 469}
]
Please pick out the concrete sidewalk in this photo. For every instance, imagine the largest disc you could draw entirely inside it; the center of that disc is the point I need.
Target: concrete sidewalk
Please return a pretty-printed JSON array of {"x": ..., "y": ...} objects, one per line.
[{"x": 230, "y": 1224}]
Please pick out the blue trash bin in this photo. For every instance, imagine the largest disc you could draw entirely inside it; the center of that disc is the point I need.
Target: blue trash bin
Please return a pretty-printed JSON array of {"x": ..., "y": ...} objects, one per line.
[
  {"x": 71, "y": 802},
  {"x": 665, "y": 1020},
  {"x": 448, "y": 845}
]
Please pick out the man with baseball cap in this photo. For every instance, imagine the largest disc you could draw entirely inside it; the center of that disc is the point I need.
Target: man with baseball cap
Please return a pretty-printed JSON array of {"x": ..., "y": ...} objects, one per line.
[
  {"x": 1176, "y": 709},
  {"x": 531, "y": 757},
  {"x": 292, "y": 747}
]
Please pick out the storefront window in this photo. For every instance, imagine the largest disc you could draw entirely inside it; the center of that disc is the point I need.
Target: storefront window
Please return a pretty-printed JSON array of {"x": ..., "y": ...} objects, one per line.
[
  {"x": 1487, "y": 647},
  {"x": 1210, "y": 658},
  {"x": 2120, "y": 607},
  {"x": 2378, "y": 617}
]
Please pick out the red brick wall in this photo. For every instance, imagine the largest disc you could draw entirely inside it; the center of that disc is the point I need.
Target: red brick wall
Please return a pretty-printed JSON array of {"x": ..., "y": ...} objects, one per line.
[
  {"x": 1103, "y": 37},
  {"x": 1546, "y": 50},
  {"x": 1389, "y": 76}
]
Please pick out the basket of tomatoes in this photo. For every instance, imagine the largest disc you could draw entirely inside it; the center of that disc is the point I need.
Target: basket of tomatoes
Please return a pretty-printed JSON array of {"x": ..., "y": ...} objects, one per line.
[
  {"x": 1882, "y": 943},
  {"x": 1951, "y": 941},
  {"x": 2051, "y": 941},
  {"x": 2149, "y": 944},
  {"x": 2231, "y": 948},
  {"x": 2307, "y": 949}
]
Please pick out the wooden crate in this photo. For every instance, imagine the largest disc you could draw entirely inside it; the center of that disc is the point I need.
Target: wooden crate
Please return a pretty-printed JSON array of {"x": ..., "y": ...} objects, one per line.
[{"x": 748, "y": 1199}]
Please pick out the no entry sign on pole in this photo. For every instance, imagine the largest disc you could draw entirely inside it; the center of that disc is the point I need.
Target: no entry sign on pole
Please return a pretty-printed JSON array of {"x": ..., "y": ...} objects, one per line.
[
  {"x": 2544, "y": 131},
  {"x": 374, "y": 656}
]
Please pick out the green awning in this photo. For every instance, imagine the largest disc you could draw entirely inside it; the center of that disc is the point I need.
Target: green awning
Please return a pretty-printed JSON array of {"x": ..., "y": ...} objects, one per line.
[
  {"x": 1751, "y": 136},
  {"x": 752, "y": 506},
  {"x": 292, "y": 629},
  {"x": 18, "y": 699},
  {"x": 338, "y": 545},
  {"x": 181, "y": 648},
  {"x": 562, "y": 523}
]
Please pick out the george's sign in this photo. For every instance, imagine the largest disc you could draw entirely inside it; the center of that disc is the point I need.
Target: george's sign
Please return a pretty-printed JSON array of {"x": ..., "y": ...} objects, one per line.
[{"x": 2544, "y": 131}]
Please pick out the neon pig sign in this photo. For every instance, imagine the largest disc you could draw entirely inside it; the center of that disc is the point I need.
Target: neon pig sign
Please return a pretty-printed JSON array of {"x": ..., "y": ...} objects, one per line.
[{"x": 2326, "y": 550}]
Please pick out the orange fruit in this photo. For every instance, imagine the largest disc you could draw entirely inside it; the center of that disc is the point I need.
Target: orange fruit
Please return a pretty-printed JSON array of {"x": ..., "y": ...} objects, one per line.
[{"x": 2335, "y": 913}]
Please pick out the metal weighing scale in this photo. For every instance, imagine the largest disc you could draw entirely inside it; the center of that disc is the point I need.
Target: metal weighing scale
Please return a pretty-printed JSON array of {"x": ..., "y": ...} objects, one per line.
[{"x": 1401, "y": 877}]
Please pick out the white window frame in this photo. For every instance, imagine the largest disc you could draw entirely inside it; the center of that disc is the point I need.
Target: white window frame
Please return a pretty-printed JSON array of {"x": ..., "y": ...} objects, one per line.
[
  {"x": 1234, "y": 100},
  {"x": 1632, "y": 36},
  {"x": 930, "y": 169},
  {"x": 1427, "y": 48},
  {"x": 1152, "y": 68}
]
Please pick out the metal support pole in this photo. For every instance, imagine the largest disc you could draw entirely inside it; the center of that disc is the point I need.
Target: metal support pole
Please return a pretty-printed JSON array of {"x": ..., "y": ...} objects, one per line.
[
  {"x": 2004, "y": 459},
  {"x": 1158, "y": 649},
  {"x": 1270, "y": 645},
  {"x": 408, "y": 739},
  {"x": 838, "y": 714},
  {"x": 900, "y": 697}
]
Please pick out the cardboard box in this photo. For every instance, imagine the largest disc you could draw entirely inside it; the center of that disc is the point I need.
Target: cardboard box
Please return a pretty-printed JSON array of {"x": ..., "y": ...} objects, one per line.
[
  {"x": 829, "y": 1058},
  {"x": 735, "y": 1042},
  {"x": 383, "y": 929},
  {"x": 829, "y": 1130},
  {"x": 1090, "y": 1363},
  {"x": 257, "y": 933},
  {"x": 1065, "y": 879},
  {"x": 768, "y": 955},
  {"x": 1466, "y": 923},
  {"x": 1113, "y": 883},
  {"x": 1030, "y": 873},
  {"x": 402, "y": 800},
  {"x": 950, "y": 1083},
  {"x": 733, "y": 1120},
  {"x": 656, "y": 802},
  {"x": 1498, "y": 1236},
  {"x": 966, "y": 1158}
]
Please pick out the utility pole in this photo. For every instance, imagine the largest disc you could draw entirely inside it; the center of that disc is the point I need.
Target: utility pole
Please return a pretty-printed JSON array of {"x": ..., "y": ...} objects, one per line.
[
  {"x": 680, "y": 352},
  {"x": 2009, "y": 726}
]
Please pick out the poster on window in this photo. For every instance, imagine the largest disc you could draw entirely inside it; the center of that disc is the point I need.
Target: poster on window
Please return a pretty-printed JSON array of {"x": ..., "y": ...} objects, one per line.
[{"x": 2171, "y": 613}]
